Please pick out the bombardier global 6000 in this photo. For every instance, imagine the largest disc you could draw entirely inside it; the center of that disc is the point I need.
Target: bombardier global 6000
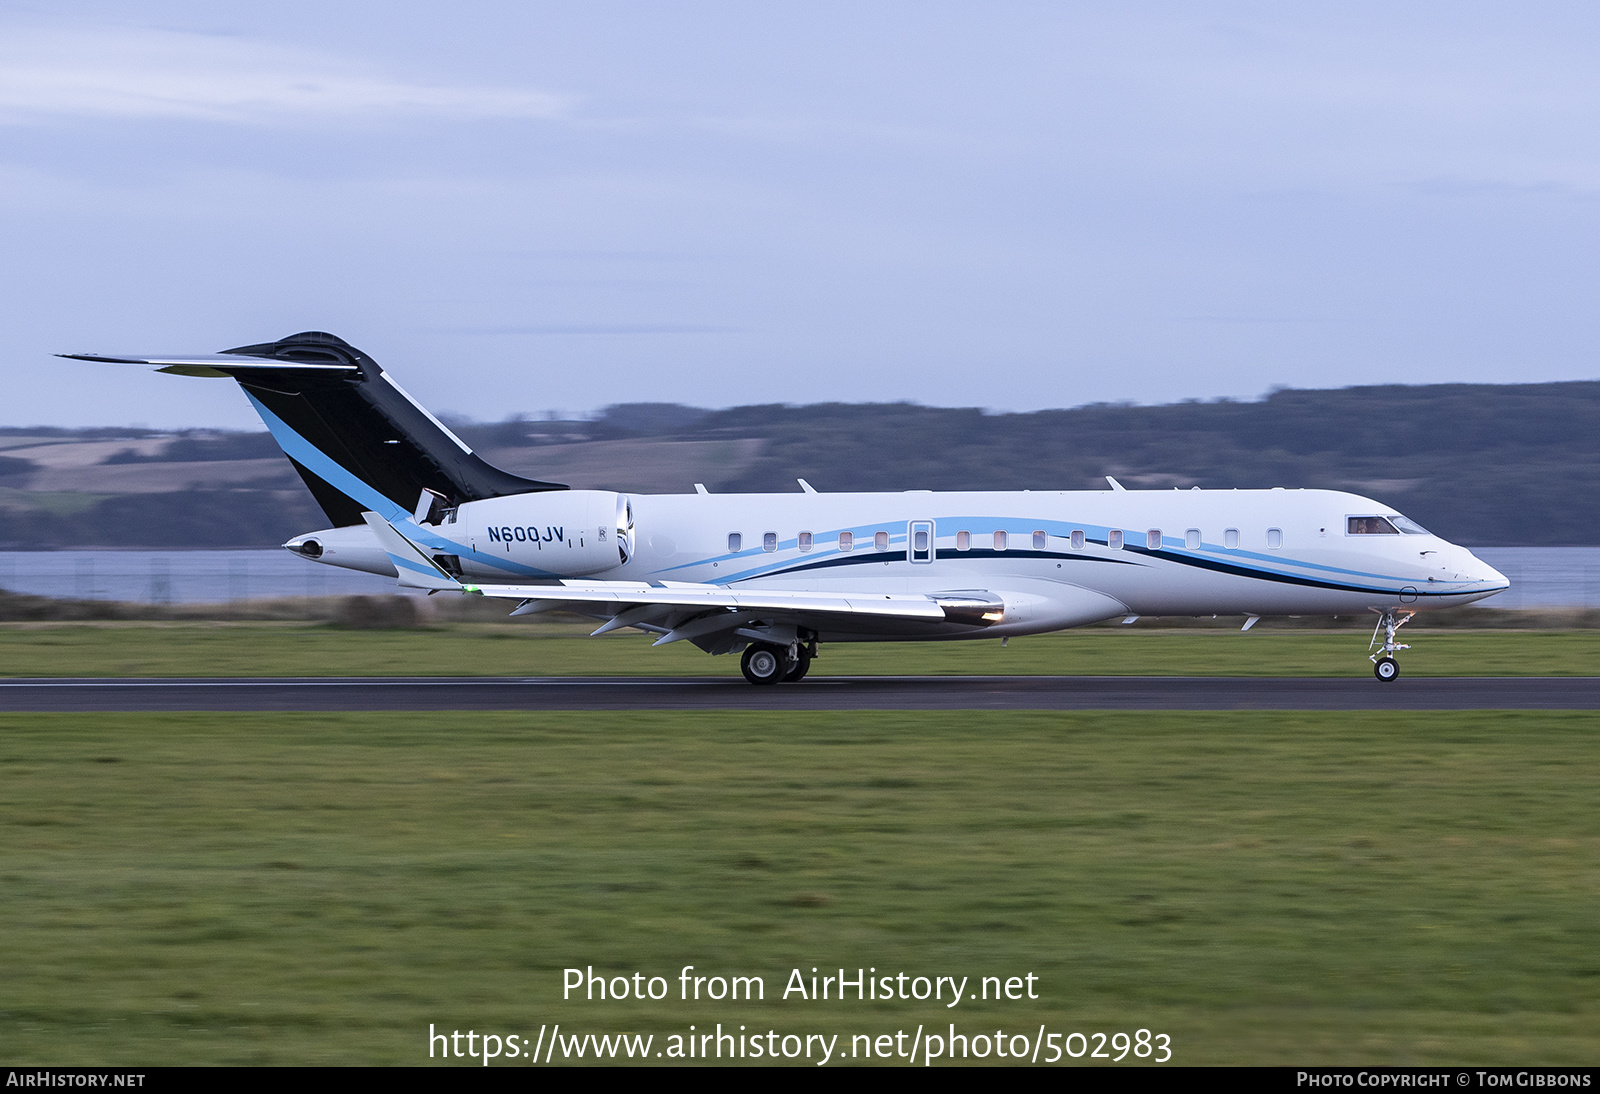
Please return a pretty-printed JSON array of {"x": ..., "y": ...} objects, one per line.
[{"x": 772, "y": 576}]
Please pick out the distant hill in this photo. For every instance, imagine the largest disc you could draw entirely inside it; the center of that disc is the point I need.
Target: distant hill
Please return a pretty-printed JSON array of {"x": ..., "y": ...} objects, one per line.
[{"x": 1480, "y": 464}]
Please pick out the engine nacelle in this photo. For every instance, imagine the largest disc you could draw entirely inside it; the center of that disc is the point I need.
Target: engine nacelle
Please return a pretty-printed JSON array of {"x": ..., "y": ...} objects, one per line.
[{"x": 565, "y": 533}]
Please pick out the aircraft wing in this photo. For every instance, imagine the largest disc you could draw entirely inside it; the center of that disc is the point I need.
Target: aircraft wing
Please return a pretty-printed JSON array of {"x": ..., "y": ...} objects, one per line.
[
  {"x": 684, "y": 595},
  {"x": 679, "y": 610}
]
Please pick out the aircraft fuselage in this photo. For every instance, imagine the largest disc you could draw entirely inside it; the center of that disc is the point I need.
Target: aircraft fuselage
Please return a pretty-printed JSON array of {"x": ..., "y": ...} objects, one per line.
[{"x": 1052, "y": 556}]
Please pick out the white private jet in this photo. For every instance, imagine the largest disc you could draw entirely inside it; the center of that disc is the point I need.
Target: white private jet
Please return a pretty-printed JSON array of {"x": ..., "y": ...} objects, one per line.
[{"x": 774, "y": 575}]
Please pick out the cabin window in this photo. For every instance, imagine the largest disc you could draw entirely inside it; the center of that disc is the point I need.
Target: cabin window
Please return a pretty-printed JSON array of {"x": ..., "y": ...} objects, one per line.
[
  {"x": 921, "y": 541},
  {"x": 1191, "y": 539},
  {"x": 847, "y": 541},
  {"x": 1152, "y": 540},
  {"x": 769, "y": 541},
  {"x": 880, "y": 541},
  {"x": 803, "y": 541},
  {"x": 999, "y": 541},
  {"x": 735, "y": 542},
  {"x": 963, "y": 541},
  {"x": 1406, "y": 525},
  {"x": 1078, "y": 539},
  {"x": 1230, "y": 539},
  {"x": 1369, "y": 526},
  {"x": 1274, "y": 538},
  {"x": 1114, "y": 539},
  {"x": 1041, "y": 540}
]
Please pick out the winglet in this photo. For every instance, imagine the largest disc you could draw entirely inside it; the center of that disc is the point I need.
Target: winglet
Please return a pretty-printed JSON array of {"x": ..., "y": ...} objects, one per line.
[
  {"x": 1115, "y": 485},
  {"x": 806, "y": 486},
  {"x": 416, "y": 569}
]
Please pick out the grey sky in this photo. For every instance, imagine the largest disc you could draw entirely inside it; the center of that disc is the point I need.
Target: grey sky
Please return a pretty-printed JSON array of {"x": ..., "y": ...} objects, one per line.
[{"x": 521, "y": 206}]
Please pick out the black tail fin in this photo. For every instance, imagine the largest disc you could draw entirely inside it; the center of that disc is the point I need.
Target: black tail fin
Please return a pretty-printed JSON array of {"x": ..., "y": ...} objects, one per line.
[{"x": 356, "y": 420}]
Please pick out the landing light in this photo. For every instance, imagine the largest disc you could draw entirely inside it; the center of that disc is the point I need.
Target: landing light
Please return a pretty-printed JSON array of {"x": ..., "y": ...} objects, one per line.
[{"x": 994, "y": 616}]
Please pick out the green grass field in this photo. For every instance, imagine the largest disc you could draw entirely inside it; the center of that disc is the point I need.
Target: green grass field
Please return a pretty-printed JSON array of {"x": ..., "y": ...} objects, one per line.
[
  {"x": 1263, "y": 887},
  {"x": 512, "y": 649}
]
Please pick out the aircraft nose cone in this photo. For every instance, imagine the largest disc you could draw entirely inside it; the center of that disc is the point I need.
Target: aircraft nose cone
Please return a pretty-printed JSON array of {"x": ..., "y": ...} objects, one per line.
[{"x": 1487, "y": 575}]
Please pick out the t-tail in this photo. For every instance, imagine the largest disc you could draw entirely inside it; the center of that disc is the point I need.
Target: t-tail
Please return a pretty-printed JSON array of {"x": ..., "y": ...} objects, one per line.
[{"x": 358, "y": 440}]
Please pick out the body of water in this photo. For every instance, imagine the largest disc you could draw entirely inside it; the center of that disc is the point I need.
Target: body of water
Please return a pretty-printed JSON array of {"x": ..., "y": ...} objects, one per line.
[
  {"x": 1541, "y": 577},
  {"x": 1545, "y": 577},
  {"x": 177, "y": 577}
]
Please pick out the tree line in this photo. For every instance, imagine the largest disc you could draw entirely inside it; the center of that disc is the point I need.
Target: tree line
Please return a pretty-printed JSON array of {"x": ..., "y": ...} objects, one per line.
[{"x": 1481, "y": 464}]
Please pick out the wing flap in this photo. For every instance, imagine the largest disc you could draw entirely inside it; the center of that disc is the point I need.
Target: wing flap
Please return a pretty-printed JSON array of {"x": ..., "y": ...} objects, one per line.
[{"x": 706, "y": 597}]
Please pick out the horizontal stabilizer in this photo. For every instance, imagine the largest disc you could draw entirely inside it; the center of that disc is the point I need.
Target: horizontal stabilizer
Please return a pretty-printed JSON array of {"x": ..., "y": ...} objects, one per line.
[{"x": 206, "y": 364}]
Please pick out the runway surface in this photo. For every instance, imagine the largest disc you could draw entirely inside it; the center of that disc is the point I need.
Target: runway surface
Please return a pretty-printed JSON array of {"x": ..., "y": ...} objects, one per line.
[{"x": 820, "y": 693}]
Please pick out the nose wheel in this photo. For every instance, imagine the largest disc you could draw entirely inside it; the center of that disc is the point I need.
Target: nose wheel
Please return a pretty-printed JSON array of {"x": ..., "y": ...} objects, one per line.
[{"x": 1381, "y": 653}]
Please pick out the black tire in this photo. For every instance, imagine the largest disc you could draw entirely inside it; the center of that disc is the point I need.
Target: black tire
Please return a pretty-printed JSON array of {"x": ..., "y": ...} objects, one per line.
[
  {"x": 797, "y": 672},
  {"x": 764, "y": 664},
  {"x": 1386, "y": 669}
]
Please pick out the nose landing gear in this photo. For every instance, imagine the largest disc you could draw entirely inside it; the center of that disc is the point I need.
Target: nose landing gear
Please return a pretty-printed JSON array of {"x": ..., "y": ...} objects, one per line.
[{"x": 1390, "y": 620}]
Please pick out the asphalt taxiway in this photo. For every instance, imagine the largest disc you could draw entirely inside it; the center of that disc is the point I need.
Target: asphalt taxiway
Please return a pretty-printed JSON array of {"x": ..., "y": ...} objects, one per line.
[{"x": 818, "y": 693}]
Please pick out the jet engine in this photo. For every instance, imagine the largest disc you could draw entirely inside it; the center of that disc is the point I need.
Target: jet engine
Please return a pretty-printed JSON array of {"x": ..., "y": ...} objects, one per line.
[{"x": 564, "y": 533}]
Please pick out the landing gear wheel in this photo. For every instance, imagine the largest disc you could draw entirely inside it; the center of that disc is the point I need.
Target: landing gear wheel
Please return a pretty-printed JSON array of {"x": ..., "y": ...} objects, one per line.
[
  {"x": 764, "y": 664},
  {"x": 798, "y": 670},
  {"x": 1386, "y": 668}
]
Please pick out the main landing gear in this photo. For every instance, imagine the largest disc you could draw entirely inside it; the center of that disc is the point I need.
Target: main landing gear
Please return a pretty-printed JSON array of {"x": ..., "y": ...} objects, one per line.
[
  {"x": 765, "y": 663},
  {"x": 1390, "y": 620}
]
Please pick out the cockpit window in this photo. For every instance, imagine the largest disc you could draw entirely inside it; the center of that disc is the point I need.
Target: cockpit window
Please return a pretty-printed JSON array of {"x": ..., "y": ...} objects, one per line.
[
  {"x": 1370, "y": 526},
  {"x": 1409, "y": 526}
]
